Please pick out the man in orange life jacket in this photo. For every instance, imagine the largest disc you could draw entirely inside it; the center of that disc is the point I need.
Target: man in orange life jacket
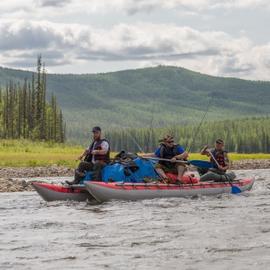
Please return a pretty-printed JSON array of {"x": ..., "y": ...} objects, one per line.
[
  {"x": 221, "y": 157},
  {"x": 96, "y": 156}
]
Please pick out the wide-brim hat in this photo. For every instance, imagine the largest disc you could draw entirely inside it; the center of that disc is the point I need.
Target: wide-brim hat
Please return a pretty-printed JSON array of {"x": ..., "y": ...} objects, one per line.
[
  {"x": 167, "y": 139},
  {"x": 219, "y": 141}
]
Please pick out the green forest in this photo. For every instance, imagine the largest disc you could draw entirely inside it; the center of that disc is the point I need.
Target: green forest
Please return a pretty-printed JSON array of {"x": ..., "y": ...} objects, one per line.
[
  {"x": 172, "y": 96},
  {"x": 136, "y": 108},
  {"x": 25, "y": 112},
  {"x": 251, "y": 135}
]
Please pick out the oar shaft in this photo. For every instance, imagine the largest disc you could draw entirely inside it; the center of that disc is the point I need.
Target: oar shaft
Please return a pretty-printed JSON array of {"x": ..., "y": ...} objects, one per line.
[
  {"x": 196, "y": 163},
  {"x": 165, "y": 159},
  {"x": 212, "y": 156}
]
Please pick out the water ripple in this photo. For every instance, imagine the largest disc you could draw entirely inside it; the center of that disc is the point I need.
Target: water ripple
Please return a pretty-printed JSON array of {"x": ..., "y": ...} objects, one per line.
[{"x": 222, "y": 232}]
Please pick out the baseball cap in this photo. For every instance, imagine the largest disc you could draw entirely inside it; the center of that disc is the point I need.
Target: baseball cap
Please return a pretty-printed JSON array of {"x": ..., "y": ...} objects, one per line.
[{"x": 95, "y": 129}]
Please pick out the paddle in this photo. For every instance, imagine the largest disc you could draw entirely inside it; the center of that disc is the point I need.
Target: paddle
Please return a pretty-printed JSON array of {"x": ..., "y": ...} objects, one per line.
[
  {"x": 235, "y": 189},
  {"x": 196, "y": 163}
]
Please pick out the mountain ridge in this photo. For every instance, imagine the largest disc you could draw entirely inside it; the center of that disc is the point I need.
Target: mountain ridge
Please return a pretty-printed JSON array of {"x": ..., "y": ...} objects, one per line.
[
  {"x": 155, "y": 96},
  {"x": 135, "y": 69}
]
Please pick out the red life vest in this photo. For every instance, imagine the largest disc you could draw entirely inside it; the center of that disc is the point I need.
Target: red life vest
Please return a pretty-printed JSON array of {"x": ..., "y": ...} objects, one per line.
[
  {"x": 96, "y": 145},
  {"x": 219, "y": 156}
]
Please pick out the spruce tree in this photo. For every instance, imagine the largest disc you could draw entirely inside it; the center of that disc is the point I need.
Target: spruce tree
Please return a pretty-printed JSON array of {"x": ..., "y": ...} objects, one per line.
[{"x": 24, "y": 112}]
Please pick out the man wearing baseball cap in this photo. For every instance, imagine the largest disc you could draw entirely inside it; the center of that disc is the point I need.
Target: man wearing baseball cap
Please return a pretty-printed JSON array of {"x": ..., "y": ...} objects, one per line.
[
  {"x": 219, "y": 157},
  {"x": 95, "y": 158}
]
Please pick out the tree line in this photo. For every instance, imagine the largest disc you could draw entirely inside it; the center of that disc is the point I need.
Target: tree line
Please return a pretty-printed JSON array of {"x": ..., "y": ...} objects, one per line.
[
  {"x": 25, "y": 112},
  {"x": 250, "y": 135}
]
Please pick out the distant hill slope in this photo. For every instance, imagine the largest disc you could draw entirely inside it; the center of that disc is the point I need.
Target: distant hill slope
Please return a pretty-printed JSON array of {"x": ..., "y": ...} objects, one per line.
[{"x": 160, "y": 95}]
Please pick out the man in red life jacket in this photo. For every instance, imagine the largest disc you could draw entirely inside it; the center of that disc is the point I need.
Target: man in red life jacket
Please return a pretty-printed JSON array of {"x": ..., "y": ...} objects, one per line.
[
  {"x": 95, "y": 158},
  {"x": 220, "y": 167}
]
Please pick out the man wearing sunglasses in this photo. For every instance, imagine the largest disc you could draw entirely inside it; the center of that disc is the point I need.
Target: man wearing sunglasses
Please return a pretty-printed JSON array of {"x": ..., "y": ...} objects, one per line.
[
  {"x": 220, "y": 160},
  {"x": 169, "y": 150}
]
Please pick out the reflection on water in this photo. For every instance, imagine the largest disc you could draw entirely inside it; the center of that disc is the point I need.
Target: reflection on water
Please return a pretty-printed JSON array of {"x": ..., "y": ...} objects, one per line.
[{"x": 222, "y": 232}]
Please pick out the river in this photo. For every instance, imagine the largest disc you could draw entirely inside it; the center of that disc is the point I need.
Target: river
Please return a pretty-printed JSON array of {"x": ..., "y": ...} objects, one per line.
[{"x": 221, "y": 232}]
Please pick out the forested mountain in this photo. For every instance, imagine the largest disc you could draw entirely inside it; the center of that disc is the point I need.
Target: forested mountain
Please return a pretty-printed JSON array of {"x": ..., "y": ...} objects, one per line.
[{"x": 159, "y": 96}]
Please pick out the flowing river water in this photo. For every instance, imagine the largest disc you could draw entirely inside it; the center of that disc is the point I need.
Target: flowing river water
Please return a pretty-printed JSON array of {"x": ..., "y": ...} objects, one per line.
[{"x": 221, "y": 232}]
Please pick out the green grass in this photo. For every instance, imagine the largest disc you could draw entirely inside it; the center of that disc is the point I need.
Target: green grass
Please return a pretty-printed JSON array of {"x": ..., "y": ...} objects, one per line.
[{"x": 23, "y": 153}]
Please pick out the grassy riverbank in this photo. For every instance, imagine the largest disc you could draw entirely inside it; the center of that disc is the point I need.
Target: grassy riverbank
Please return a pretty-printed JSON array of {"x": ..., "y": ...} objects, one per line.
[
  {"x": 23, "y": 153},
  {"x": 32, "y": 154}
]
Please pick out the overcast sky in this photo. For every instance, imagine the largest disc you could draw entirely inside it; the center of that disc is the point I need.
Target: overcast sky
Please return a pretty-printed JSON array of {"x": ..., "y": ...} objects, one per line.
[{"x": 225, "y": 38}]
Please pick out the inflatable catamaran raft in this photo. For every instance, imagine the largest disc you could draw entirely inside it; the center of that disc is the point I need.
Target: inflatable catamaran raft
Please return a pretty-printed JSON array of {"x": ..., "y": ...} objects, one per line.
[
  {"x": 138, "y": 180},
  {"x": 138, "y": 191},
  {"x": 102, "y": 192}
]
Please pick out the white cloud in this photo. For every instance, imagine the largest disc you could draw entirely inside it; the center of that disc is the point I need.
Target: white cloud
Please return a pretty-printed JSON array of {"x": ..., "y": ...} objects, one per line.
[
  {"x": 37, "y": 7},
  {"x": 133, "y": 6},
  {"x": 123, "y": 41},
  {"x": 141, "y": 44}
]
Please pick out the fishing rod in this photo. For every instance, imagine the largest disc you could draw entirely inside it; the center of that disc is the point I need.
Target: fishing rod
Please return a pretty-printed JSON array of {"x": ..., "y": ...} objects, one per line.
[
  {"x": 133, "y": 139},
  {"x": 142, "y": 151},
  {"x": 151, "y": 128},
  {"x": 200, "y": 125}
]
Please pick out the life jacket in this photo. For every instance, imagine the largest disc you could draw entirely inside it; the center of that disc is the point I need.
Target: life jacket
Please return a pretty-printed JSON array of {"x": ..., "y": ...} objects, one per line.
[
  {"x": 96, "y": 145},
  {"x": 168, "y": 153},
  {"x": 219, "y": 156}
]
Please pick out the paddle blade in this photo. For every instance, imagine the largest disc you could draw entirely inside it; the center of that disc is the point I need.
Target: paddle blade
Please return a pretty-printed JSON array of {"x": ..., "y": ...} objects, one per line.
[
  {"x": 201, "y": 164},
  {"x": 236, "y": 190}
]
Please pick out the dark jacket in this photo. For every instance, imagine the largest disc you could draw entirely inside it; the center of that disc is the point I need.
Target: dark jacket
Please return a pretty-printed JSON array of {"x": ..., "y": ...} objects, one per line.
[
  {"x": 168, "y": 153},
  {"x": 96, "y": 145}
]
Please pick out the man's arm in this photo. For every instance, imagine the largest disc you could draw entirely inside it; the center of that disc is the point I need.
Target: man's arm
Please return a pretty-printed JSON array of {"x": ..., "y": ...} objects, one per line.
[
  {"x": 103, "y": 151},
  {"x": 147, "y": 155},
  {"x": 205, "y": 151},
  {"x": 86, "y": 151},
  {"x": 184, "y": 155},
  {"x": 155, "y": 154}
]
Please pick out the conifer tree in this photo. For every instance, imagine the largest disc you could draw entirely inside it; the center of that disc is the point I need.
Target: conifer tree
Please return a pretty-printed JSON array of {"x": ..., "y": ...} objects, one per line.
[{"x": 25, "y": 113}]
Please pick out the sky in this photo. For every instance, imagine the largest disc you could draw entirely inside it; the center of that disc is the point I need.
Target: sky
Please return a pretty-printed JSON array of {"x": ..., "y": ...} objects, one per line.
[{"x": 221, "y": 38}]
